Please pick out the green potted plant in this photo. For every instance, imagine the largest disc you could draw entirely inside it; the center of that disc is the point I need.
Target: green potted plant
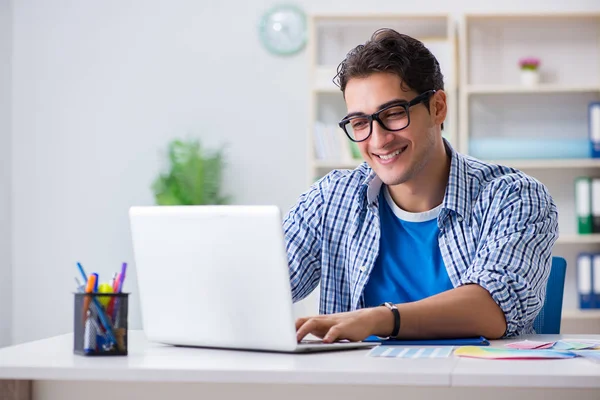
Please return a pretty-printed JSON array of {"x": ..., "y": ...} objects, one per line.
[{"x": 194, "y": 176}]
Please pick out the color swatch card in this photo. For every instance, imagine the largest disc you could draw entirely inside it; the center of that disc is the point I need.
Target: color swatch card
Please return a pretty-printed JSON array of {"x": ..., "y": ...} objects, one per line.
[
  {"x": 530, "y": 345},
  {"x": 511, "y": 354},
  {"x": 410, "y": 352},
  {"x": 565, "y": 344},
  {"x": 592, "y": 355},
  {"x": 591, "y": 344}
]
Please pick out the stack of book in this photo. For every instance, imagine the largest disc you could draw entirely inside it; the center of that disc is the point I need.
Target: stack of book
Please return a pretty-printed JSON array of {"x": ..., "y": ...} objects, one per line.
[
  {"x": 588, "y": 280},
  {"x": 332, "y": 145},
  {"x": 587, "y": 202}
]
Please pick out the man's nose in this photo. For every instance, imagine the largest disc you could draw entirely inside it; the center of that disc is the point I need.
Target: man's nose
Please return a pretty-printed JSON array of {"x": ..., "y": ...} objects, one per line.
[{"x": 380, "y": 136}]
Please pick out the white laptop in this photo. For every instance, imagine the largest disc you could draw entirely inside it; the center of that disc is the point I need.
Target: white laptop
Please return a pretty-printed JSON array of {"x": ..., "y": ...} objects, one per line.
[{"x": 216, "y": 276}]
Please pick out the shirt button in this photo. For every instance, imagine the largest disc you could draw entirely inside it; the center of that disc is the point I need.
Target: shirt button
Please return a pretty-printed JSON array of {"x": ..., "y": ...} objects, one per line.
[
  {"x": 362, "y": 268},
  {"x": 460, "y": 219}
]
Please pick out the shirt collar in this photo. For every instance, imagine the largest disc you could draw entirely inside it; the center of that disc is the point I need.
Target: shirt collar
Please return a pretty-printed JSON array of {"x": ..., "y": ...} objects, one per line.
[
  {"x": 458, "y": 194},
  {"x": 457, "y": 197}
]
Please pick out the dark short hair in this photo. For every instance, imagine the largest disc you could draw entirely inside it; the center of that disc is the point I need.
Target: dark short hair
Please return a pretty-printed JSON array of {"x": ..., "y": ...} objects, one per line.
[{"x": 393, "y": 52}]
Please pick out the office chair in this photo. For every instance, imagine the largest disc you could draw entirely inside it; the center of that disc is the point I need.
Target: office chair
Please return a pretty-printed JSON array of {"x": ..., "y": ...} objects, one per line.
[{"x": 548, "y": 320}]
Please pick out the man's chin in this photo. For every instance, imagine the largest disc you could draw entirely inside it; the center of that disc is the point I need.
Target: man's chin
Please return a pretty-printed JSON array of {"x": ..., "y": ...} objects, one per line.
[
  {"x": 392, "y": 178},
  {"x": 390, "y": 174}
]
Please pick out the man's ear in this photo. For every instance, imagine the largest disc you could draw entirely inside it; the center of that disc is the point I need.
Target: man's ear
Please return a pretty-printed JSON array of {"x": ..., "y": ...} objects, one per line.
[{"x": 438, "y": 107}]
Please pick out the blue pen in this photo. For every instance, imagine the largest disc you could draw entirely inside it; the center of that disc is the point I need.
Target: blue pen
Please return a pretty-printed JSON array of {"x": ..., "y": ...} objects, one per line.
[
  {"x": 96, "y": 282},
  {"x": 105, "y": 323},
  {"x": 83, "y": 274}
]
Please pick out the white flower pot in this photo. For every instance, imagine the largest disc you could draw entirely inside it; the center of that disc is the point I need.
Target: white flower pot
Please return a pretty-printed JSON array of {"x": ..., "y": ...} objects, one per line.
[{"x": 530, "y": 77}]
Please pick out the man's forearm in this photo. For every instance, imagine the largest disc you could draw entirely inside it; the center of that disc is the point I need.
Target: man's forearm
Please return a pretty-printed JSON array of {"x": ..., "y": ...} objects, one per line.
[{"x": 465, "y": 311}]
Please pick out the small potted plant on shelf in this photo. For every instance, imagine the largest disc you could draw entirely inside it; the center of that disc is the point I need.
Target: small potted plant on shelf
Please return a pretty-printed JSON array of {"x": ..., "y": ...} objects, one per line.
[{"x": 530, "y": 71}]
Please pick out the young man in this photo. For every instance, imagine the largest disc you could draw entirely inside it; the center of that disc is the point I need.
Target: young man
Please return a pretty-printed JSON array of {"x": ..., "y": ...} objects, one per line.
[{"x": 419, "y": 241}]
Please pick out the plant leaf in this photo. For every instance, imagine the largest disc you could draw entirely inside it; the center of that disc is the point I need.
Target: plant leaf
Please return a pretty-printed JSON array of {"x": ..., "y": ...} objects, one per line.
[{"x": 194, "y": 178}]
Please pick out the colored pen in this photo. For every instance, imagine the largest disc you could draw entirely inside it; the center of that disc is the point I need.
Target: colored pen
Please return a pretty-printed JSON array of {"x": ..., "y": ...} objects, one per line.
[
  {"x": 105, "y": 322},
  {"x": 111, "y": 303},
  {"x": 94, "y": 314},
  {"x": 89, "y": 335},
  {"x": 119, "y": 290},
  {"x": 122, "y": 277},
  {"x": 89, "y": 288},
  {"x": 80, "y": 287},
  {"x": 103, "y": 319},
  {"x": 94, "y": 311},
  {"x": 116, "y": 283},
  {"x": 83, "y": 274}
]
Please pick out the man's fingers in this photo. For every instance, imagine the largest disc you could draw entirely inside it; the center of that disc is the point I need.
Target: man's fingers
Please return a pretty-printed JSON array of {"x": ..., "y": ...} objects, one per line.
[
  {"x": 300, "y": 322},
  {"x": 316, "y": 326},
  {"x": 306, "y": 328},
  {"x": 333, "y": 334}
]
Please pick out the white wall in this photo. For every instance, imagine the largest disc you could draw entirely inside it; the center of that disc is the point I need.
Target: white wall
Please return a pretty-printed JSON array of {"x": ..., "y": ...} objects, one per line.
[
  {"x": 5, "y": 143},
  {"x": 98, "y": 90}
]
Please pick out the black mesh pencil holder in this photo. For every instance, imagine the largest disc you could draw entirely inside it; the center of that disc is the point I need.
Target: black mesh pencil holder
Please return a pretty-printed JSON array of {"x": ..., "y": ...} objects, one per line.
[{"x": 100, "y": 324}]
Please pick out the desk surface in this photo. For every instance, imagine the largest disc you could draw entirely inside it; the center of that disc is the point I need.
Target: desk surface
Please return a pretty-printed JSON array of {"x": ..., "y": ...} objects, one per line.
[{"x": 53, "y": 359}]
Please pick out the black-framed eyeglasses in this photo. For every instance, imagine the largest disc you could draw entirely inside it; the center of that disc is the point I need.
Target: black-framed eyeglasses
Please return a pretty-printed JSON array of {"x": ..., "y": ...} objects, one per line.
[{"x": 394, "y": 117}]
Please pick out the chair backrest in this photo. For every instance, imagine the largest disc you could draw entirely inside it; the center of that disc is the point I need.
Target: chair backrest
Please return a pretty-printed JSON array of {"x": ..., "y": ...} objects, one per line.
[{"x": 548, "y": 320}]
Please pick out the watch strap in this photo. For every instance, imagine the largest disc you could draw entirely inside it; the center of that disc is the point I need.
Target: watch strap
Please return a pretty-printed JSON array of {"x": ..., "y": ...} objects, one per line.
[{"x": 392, "y": 307}]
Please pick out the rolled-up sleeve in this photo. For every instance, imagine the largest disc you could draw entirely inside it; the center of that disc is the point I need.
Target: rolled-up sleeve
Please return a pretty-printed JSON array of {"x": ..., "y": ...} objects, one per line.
[
  {"x": 514, "y": 257},
  {"x": 302, "y": 227}
]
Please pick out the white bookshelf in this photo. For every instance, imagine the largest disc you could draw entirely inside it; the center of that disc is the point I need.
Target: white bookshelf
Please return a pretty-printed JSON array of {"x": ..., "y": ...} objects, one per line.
[
  {"x": 496, "y": 109},
  {"x": 486, "y": 100},
  {"x": 493, "y": 102},
  {"x": 331, "y": 37}
]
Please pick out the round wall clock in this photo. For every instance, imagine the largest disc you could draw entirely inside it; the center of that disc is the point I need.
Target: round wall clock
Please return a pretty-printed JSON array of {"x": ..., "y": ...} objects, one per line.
[{"x": 283, "y": 30}]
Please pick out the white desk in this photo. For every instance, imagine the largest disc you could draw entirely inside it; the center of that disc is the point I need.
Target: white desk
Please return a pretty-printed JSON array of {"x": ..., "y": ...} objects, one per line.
[{"x": 158, "y": 371}]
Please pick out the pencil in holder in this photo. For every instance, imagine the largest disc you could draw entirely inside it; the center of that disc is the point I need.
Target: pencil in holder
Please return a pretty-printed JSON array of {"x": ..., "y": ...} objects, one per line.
[{"x": 101, "y": 324}]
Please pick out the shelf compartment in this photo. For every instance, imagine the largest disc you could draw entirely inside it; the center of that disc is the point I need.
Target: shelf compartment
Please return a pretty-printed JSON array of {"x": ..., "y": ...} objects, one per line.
[{"x": 495, "y": 45}]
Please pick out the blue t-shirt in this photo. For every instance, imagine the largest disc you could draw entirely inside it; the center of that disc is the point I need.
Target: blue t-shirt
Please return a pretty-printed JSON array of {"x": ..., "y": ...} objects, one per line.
[{"x": 409, "y": 266}]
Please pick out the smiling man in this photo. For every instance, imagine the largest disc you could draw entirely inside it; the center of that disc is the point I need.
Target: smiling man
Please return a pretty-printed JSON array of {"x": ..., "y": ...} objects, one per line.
[{"x": 419, "y": 241}]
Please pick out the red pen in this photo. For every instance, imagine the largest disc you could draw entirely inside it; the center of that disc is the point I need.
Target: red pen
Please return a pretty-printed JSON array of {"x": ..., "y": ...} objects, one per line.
[{"x": 111, "y": 303}]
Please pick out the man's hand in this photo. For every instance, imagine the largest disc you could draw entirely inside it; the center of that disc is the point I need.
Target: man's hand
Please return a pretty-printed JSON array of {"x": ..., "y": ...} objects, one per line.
[{"x": 353, "y": 326}]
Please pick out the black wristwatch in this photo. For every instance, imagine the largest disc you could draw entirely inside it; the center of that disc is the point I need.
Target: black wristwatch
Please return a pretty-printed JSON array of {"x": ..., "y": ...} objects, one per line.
[{"x": 396, "y": 313}]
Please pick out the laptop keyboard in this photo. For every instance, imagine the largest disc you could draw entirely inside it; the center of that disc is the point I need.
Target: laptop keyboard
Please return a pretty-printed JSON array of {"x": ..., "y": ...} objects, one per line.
[{"x": 313, "y": 342}]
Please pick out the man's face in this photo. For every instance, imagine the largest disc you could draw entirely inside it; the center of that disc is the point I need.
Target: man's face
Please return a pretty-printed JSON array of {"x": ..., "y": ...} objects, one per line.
[{"x": 396, "y": 157}]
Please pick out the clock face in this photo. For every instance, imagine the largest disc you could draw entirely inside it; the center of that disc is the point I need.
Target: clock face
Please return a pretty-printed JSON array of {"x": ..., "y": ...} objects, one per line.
[{"x": 283, "y": 30}]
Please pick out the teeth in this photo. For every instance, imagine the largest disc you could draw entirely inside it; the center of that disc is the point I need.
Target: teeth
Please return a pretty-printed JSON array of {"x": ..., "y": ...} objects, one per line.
[{"x": 387, "y": 157}]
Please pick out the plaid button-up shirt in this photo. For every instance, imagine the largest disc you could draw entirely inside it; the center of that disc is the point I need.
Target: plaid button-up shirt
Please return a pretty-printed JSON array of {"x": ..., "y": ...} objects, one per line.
[{"x": 497, "y": 227}]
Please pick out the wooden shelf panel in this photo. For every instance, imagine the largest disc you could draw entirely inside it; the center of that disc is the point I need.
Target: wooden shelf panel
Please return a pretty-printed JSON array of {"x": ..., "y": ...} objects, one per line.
[
  {"x": 533, "y": 15},
  {"x": 549, "y": 163},
  {"x": 521, "y": 89},
  {"x": 581, "y": 314},
  {"x": 579, "y": 239}
]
